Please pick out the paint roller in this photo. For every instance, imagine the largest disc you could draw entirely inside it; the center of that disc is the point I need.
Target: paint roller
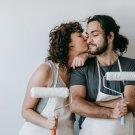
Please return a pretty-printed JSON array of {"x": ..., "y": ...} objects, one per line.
[
  {"x": 118, "y": 76},
  {"x": 51, "y": 92}
]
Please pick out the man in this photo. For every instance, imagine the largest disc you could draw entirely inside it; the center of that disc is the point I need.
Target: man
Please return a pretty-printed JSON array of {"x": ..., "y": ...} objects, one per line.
[{"x": 90, "y": 99}]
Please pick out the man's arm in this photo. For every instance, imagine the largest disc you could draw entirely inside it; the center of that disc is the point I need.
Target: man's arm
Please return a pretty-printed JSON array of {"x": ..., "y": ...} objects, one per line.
[
  {"x": 110, "y": 103},
  {"x": 129, "y": 95},
  {"x": 88, "y": 109}
]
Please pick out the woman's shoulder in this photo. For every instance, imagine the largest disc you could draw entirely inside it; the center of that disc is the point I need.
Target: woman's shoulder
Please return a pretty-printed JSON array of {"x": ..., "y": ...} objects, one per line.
[
  {"x": 42, "y": 74},
  {"x": 44, "y": 68}
]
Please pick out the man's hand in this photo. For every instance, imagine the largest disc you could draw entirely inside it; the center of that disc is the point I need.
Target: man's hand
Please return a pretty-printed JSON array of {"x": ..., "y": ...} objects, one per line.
[{"x": 120, "y": 110}]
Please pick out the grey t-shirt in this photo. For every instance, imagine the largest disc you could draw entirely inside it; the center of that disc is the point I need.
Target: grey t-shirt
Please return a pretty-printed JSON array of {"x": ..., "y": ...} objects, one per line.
[{"x": 88, "y": 76}]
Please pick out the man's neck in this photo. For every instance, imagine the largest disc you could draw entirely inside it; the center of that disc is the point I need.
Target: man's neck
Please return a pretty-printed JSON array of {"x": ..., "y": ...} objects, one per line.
[{"x": 107, "y": 58}]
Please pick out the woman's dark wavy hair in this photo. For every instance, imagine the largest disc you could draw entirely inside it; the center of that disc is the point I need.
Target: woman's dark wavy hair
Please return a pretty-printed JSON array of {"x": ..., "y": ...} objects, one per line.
[
  {"x": 108, "y": 24},
  {"x": 59, "y": 39}
]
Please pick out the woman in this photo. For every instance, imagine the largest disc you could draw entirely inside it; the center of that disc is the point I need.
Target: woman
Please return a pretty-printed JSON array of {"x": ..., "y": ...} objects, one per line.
[{"x": 66, "y": 42}]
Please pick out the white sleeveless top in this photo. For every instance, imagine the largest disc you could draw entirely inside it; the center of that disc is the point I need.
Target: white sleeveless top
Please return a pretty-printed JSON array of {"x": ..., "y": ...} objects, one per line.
[{"x": 65, "y": 119}]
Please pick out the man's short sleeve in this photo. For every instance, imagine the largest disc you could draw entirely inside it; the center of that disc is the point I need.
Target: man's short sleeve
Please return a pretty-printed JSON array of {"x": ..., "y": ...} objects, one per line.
[
  {"x": 78, "y": 77},
  {"x": 131, "y": 69}
]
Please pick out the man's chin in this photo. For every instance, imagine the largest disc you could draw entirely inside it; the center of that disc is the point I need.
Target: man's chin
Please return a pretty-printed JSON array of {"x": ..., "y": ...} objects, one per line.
[
  {"x": 93, "y": 53},
  {"x": 85, "y": 51}
]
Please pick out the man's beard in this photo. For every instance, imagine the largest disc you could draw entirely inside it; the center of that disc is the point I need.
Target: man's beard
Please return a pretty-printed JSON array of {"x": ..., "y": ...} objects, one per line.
[{"x": 100, "y": 50}]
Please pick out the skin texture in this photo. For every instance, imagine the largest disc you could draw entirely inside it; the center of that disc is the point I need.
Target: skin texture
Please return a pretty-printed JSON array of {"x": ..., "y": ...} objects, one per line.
[{"x": 105, "y": 56}]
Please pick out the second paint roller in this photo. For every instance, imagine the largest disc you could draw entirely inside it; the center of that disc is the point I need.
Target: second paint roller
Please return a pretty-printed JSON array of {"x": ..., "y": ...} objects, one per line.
[
  {"x": 118, "y": 76},
  {"x": 51, "y": 92}
]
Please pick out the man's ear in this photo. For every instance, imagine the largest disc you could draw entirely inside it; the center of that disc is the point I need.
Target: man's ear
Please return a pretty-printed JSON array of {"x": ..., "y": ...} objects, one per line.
[
  {"x": 110, "y": 37},
  {"x": 71, "y": 45}
]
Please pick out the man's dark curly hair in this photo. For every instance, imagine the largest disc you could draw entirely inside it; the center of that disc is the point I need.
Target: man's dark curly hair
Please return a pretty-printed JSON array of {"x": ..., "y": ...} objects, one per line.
[
  {"x": 108, "y": 25},
  {"x": 59, "y": 39}
]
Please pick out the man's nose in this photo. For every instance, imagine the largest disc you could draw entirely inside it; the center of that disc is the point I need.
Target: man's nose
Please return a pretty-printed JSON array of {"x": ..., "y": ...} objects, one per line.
[{"x": 89, "y": 40}]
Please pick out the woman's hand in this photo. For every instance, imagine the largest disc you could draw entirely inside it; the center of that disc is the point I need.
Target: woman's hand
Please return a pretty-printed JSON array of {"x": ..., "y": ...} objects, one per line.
[
  {"x": 51, "y": 122},
  {"x": 79, "y": 60}
]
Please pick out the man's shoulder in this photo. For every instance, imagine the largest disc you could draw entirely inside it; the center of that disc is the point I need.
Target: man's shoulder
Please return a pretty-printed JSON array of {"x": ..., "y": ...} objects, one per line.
[
  {"x": 126, "y": 59},
  {"x": 90, "y": 61},
  {"x": 89, "y": 64},
  {"x": 127, "y": 63}
]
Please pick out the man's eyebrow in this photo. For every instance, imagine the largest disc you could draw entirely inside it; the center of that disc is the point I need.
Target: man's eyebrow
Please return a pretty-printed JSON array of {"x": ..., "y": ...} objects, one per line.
[{"x": 92, "y": 31}]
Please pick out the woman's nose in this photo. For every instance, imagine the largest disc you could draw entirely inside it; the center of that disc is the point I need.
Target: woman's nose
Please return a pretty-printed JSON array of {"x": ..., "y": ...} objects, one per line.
[
  {"x": 89, "y": 40},
  {"x": 84, "y": 37}
]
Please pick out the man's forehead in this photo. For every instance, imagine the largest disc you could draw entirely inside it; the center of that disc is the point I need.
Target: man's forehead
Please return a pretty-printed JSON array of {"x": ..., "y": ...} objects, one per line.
[{"x": 93, "y": 26}]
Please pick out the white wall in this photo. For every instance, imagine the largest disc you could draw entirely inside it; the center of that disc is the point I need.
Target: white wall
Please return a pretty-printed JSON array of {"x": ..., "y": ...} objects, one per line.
[{"x": 24, "y": 29}]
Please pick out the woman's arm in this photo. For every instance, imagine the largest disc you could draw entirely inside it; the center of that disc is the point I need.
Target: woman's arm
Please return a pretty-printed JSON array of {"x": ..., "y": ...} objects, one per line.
[
  {"x": 79, "y": 60},
  {"x": 40, "y": 78}
]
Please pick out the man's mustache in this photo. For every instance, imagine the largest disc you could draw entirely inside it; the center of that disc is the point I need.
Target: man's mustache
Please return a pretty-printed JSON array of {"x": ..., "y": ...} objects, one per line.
[{"x": 89, "y": 44}]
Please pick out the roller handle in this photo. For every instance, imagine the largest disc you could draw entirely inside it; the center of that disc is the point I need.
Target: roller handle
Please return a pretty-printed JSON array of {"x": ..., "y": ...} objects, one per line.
[
  {"x": 54, "y": 131},
  {"x": 122, "y": 120}
]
